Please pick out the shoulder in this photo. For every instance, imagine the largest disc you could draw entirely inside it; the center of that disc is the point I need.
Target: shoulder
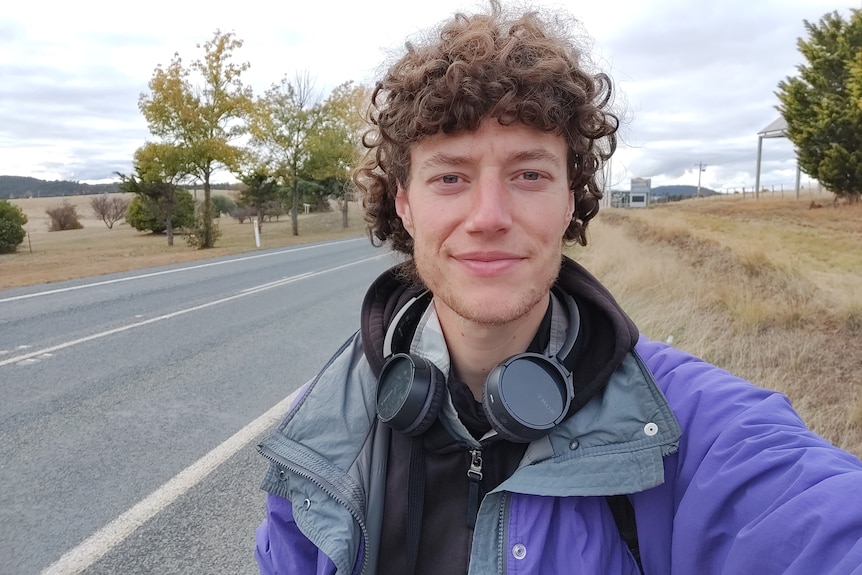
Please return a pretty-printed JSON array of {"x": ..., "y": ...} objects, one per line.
[
  {"x": 703, "y": 394},
  {"x": 718, "y": 410},
  {"x": 329, "y": 415},
  {"x": 342, "y": 391},
  {"x": 736, "y": 433}
]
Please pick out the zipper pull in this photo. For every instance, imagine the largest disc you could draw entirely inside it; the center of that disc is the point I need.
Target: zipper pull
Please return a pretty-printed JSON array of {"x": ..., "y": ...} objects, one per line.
[
  {"x": 474, "y": 474},
  {"x": 475, "y": 471}
]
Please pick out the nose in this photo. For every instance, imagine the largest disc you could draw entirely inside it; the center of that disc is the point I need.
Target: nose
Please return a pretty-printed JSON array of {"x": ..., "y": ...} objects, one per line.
[{"x": 490, "y": 206}]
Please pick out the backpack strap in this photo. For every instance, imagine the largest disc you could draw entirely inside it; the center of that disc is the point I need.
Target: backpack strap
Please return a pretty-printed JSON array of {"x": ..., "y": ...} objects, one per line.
[{"x": 624, "y": 517}]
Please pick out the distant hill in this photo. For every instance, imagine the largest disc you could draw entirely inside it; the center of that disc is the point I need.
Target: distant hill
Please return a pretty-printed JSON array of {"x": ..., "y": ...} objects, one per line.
[
  {"x": 12, "y": 187},
  {"x": 675, "y": 193}
]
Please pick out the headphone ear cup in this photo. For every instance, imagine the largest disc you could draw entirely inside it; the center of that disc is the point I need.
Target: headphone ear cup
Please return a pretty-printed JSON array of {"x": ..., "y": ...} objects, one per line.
[
  {"x": 526, "y": 396},
  {"x": 430, "y": 413},
  {"x": 501, "y": 428},
  {"x": 410, "y": 394}
]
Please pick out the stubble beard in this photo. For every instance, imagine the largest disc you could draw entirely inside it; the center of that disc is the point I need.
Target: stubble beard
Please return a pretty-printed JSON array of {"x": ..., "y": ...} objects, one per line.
[{"x": 475, "y": 312}]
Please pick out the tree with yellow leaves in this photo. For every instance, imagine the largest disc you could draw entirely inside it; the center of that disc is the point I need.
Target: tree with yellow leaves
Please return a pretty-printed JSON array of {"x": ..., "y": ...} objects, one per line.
[{"x": 202, "y": 109}]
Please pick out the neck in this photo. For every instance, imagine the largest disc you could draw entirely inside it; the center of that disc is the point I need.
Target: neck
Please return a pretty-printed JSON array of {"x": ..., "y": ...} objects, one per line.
[{"x": 475, "y": 349}]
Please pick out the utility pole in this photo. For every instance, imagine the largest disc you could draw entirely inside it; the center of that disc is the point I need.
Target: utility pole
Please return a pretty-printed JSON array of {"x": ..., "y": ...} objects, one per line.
[
  {"x": 701, "y": 167},
  {"x": 609, "y": 184}
]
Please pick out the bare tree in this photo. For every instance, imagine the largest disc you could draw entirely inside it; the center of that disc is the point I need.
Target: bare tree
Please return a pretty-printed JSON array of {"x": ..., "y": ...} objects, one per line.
[{"x": 109, "y": 209}]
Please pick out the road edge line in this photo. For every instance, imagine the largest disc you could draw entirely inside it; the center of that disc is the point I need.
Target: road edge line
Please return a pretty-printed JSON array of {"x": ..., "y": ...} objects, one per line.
[{"x": 100, "y": 543}]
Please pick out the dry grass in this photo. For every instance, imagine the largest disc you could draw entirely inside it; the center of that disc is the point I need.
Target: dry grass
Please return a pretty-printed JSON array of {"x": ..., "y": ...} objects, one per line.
[
  {"x": 54, "y": 256},
  {"x": 768, "y": 289}
]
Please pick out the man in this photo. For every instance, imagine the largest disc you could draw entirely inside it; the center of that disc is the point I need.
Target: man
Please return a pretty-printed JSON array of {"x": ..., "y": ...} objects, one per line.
[{"x": 496, "y": 398}]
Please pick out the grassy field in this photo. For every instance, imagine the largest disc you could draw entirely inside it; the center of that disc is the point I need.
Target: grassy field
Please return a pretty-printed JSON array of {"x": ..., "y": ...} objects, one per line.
[
  {"x": 769, "y": 289},
  {"x": 54, "y": 256}
]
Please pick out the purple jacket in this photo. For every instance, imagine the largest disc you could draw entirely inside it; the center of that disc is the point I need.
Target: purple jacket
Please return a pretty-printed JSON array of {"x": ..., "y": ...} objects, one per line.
[{"x": 749, "y": 490}]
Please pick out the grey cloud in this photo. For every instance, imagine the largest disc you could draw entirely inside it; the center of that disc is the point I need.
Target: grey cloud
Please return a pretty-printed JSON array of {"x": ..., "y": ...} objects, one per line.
[
  {"x": 699, "y": 82},
  {"x": 696, "y": 81},
  {"x": 93, "y": 114}
]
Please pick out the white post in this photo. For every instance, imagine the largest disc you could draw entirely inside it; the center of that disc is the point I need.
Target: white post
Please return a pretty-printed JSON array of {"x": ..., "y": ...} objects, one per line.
[{"x": 256, "y": 233}]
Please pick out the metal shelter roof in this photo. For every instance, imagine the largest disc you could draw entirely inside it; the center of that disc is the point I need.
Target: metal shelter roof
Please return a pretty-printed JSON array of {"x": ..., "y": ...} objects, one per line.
[{"x": 777, "y": 129}]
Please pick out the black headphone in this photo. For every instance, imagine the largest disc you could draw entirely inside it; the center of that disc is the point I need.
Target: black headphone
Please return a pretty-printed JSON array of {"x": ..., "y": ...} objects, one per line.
[{"x": 524, "y": 397}]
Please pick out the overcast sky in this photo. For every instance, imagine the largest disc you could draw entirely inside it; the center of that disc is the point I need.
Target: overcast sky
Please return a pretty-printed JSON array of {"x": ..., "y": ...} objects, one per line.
[{"x": 695, "y": 79}]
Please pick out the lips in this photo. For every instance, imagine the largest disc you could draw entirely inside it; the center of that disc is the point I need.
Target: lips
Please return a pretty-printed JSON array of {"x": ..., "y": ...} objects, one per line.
[{"x": 488, "y": 263}]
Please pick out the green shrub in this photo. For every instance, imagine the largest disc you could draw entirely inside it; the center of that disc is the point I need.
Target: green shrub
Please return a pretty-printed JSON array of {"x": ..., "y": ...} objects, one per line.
[
  {"x": 12, "y": 221},
  {"x": 222, "y": 205},
  {"x": 145, "y": 214},
  {"x": 9, "y": 211},
  {"x": 195, "y": 234}
]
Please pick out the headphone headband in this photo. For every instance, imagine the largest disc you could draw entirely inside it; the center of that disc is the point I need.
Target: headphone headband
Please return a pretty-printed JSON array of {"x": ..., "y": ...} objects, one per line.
[
  {"x": 403, "y": 326},
  {"x": 524, "y": 397}
]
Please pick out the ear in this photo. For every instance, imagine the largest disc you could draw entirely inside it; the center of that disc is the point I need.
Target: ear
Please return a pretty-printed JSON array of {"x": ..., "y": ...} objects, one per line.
[
  {"x": 570, "y": 210},
  {"x": 402, "y": 208}
]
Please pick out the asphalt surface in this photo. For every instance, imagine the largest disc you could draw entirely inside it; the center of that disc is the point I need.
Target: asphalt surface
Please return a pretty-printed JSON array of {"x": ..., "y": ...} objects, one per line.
[{"x": 131, "y": 405}]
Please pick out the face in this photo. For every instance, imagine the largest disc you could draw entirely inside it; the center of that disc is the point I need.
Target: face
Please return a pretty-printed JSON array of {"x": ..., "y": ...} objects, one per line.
[{"x": 487, "y": 211}]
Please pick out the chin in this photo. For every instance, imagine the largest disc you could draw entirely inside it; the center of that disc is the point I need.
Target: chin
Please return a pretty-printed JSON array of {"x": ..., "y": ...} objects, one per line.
[
  {"x": 490, "y": 308},
  {"x": 495, "y": 317},
  {"x": 488, "y": 300}
]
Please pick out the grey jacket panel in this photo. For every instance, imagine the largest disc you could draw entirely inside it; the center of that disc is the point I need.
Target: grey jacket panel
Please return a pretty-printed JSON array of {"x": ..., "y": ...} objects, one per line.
[{"x": 336, "y": 415}]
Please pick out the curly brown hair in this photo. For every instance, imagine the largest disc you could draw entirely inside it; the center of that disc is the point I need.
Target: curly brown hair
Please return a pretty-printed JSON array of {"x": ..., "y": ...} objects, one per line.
[{"x": 517, "y": 69}]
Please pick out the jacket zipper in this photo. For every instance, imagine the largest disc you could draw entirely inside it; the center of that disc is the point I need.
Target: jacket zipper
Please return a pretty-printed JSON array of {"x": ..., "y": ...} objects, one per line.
[
  {"x": 474, "y": 474},
  {"x": 269, "y": 454},
  {"x": 503, "y": 544},
  {"x": 475, "y": 471}
]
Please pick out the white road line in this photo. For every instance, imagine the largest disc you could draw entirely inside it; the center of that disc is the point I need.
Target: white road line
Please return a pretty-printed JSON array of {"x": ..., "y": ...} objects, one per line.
[
  {"x": 81, "y": 557},
  {"x": 173, "y": 271},
  {"x": 250, "y": 291}
]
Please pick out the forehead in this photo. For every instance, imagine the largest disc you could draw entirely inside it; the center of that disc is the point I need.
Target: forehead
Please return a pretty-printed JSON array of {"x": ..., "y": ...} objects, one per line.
[{"x": 492, "y": 139}]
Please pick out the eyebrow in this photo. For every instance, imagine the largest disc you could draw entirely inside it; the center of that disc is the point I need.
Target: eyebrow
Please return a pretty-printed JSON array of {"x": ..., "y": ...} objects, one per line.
[
  {"x": 535, "y": 154},
  {"x": 444, "y": 159}
]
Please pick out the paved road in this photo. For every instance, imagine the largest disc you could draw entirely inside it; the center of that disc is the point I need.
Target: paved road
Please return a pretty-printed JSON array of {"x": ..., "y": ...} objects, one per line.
[{"x": 131, "y": 405}]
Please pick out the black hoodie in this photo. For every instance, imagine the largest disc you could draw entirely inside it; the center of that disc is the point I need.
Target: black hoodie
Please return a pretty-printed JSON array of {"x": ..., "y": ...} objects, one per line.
[{"x": 607, "y": 335}]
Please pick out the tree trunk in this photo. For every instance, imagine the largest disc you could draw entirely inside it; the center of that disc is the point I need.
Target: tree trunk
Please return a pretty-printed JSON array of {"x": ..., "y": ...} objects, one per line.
[
  {"x": 344, "y": 200},
  {"x": 294, "y": 218},
  {"x": 206, "y": 215},
  {"x": 169, "y": 216},
  {"x": 169, "y": 226}
]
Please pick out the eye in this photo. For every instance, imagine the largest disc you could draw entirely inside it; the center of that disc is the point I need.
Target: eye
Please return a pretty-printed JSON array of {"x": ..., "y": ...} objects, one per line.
[
  {"x": 533, "y": 176},
  {"x": 449, "y": 179}
]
